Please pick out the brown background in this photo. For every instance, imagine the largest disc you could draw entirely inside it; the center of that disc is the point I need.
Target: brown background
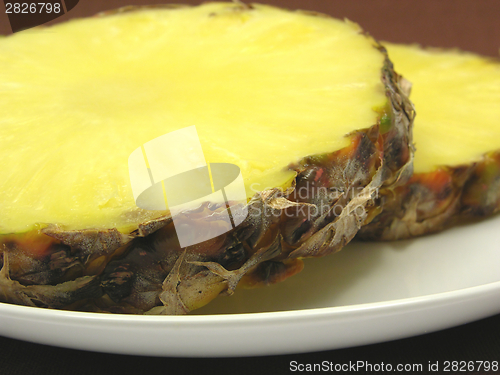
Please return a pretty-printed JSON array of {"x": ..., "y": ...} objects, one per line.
[{"x": 472, "y": 25}]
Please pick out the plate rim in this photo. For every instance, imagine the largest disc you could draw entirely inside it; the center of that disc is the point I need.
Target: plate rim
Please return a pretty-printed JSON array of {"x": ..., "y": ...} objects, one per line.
[{"x": 250, "y": 334}]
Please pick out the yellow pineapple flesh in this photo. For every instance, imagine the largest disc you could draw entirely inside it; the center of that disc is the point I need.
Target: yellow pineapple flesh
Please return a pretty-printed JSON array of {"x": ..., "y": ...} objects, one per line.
[{"x": 77, "y": 104}]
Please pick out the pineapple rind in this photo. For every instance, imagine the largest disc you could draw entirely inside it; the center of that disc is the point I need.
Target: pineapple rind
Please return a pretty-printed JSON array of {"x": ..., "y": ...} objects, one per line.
[
  {"x": 431, "y": 202},
  {"x": 55, "y": 296}
]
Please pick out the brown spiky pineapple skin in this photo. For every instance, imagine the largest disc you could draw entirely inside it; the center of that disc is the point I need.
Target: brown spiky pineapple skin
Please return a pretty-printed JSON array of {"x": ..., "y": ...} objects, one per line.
[
  {"x": 431, "y": 202},
  {"x": 146, "y": 271}
]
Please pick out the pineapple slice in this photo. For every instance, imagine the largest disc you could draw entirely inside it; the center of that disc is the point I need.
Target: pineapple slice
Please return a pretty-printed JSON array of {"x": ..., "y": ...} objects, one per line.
[
  {"x": 308, "y": 107},
  {"x": 457, "y": 135}
]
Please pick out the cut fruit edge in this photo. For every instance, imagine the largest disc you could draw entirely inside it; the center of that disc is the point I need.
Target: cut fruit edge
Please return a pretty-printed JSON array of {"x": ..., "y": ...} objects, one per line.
[
  {"x": 274, "y": 241},
  {"x": 436, "y": 200}
]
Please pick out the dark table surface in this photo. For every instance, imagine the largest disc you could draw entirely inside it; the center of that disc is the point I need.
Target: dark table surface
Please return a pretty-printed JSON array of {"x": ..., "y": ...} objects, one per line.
[
  {"x": 471, "y": 25},
  {"x": 478, "y": 341}
]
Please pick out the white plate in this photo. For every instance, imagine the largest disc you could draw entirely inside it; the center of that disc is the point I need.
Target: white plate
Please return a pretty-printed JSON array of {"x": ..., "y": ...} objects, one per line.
[{"x": 365, "y": 294}]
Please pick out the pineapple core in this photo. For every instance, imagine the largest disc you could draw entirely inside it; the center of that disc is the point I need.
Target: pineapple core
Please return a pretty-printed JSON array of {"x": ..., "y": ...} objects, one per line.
[
  {"x": 457, "y": 99},
  {"x": 264, "y": 88}
]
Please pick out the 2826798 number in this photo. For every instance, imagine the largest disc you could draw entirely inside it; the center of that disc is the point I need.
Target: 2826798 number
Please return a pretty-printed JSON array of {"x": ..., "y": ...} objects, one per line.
[
  {"x": 469, "y": 366},
  {"x": 25, "y": 8}
]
